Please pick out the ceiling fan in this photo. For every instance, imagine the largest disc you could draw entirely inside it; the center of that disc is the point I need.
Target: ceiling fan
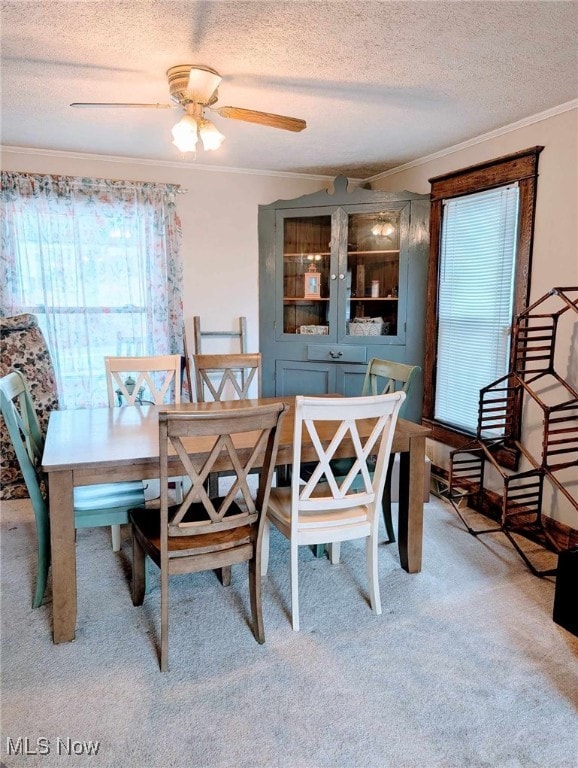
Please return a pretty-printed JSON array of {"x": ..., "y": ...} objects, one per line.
[{"x": 194, "y": 88}]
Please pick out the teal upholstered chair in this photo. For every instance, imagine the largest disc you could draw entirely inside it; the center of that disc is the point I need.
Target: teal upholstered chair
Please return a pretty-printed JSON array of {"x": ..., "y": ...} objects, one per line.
[
  {"x": 94, "y": 505},
  {"x": 383, "y": 377}
]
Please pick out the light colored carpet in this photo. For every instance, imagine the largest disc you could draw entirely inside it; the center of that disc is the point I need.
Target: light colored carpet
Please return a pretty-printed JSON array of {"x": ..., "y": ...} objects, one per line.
[{"x": 464, "y": 668}]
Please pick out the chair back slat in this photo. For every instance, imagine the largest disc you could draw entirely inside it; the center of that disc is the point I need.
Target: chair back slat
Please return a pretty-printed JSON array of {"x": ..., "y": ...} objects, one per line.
[
  {"x": 240, "y": 438},
  {"x": 220, "y": 377},
  {"x": 384, "y": 376},
  {"x": 133, "y": 380}
]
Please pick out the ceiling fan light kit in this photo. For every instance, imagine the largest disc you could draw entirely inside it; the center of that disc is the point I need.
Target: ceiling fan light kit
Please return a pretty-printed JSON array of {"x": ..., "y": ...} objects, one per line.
[
  {"x": 185, "y": 134},
  {"x": 211, "y": 136},
  {"x": 194, "y": 87},
  {"x": 193, "y": 125}
]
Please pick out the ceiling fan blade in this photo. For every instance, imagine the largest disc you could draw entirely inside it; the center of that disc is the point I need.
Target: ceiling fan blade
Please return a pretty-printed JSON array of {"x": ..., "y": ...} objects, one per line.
[
  {"x": 91, "y": 104},
  {"x": 263, "y": 118}
]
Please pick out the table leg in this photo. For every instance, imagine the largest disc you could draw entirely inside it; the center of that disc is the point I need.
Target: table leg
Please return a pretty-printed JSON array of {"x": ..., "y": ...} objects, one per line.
[
  {"x": 410, "y": 526},
  {"x": 63, "y": 556}
]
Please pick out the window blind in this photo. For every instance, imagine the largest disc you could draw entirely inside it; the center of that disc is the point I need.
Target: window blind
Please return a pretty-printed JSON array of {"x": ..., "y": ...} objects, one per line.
[{"x": 475, "y": 300}]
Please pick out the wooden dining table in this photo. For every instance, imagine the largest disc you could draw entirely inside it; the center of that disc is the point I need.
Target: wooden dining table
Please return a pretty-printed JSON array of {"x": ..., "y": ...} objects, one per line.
[{"x": 106, "y": 445}]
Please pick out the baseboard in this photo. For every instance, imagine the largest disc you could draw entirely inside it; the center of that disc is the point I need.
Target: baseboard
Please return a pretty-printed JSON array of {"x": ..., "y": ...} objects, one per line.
[{"x": 490, "y": 505}]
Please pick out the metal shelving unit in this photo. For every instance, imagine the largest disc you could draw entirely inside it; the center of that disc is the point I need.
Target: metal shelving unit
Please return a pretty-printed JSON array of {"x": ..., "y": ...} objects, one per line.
[{"x": 532, "y": 383}]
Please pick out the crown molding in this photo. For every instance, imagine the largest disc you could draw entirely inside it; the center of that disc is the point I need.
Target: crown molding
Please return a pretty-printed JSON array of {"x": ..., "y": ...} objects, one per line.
[
  {"x": 187, "y": 165},
  {"x": 566, "y": 107}
]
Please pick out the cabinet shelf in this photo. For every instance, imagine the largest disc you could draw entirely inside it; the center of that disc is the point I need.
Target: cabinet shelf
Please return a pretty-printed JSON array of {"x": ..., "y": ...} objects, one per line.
[
  {"x": 301, "y": 300},
  {"x": 305, "y": 255},
  {"x": 363, "y": 299},
  {"x": 372, "y": 253}
]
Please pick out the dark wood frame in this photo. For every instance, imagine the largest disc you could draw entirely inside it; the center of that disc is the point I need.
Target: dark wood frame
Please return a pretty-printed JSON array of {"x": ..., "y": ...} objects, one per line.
[{"x": 521, "y": 167}]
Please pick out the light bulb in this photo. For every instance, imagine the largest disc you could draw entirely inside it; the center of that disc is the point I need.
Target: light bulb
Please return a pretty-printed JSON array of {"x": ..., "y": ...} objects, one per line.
[
  {"x": 387, "y": 229},
  {"x": 382, "y": 229},
  {"x": 185, "y": 134},
  {"x": 211, "y": 136}
]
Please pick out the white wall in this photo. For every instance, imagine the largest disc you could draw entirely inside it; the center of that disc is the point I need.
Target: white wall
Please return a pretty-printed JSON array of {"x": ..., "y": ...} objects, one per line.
[
  {"x": 219, "y": 227},
  {"x": 220, "y": 243},
  {"x": 555, "y": 256}
]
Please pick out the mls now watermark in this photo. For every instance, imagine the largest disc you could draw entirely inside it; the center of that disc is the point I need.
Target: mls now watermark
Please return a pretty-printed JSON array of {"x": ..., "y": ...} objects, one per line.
[{"x": 23, "y": 745}]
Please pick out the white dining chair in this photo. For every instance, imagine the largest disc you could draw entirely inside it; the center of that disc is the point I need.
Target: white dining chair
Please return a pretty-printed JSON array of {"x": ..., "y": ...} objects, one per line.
[
  {"x": 154, "y": 379},
  {"x": 326, "y": 510}
]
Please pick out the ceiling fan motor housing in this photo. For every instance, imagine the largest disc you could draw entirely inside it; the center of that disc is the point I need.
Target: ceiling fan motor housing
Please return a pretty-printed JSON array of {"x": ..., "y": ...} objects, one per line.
[{"x": 193, "y": 83}]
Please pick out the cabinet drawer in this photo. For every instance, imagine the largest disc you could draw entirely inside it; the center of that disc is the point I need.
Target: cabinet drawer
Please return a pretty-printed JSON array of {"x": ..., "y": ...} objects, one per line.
[{"x": 337, "y": 353}]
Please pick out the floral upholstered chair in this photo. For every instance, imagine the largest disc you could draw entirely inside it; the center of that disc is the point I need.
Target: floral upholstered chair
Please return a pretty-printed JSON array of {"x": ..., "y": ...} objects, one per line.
[{"x": 23, "y": 348}]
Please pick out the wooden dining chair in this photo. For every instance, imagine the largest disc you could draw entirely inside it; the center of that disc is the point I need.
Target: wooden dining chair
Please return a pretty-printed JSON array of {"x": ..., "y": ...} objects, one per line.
[
  {"x": 239, "y": 336},
  {"x": 94, "y": 505},
  {"x": 204, "y": 533},
  {"x": 158, "y": 379},
  {"x": 150, "y": 379},
  {"x": 227, "y": 377},
  {"x": 325, "y": 509}
]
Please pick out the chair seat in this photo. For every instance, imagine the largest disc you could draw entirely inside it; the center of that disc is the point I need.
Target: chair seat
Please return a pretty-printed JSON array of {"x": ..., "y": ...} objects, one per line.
[
  {"x": 147, "y": 524},
  {"x": 108, "y": 504},
  {"x": 108, "y": 496},
  {"x": 280, "y": 509}
]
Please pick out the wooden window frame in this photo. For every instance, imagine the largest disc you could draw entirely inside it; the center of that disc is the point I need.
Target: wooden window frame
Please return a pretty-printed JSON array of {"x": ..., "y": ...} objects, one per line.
[{"x": 520, "y": 167}]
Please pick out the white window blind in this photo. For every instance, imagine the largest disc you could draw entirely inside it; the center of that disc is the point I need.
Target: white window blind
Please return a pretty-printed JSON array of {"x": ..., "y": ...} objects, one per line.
[{"x": 476, "y": 280}]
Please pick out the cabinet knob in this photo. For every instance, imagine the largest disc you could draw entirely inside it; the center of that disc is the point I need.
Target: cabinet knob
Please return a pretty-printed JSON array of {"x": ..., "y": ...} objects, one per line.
[
  {"x": 333, "y": 277},
  {"x": 335, "y": 355},
  {"x": 341, "y": 277}
]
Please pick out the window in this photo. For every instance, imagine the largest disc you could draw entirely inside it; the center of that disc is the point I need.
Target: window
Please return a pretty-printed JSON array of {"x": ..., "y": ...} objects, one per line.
[
  {"x": 480, "y": 253},
  {"x": 477, "y": 260},
  {"x": 97, "y": 262}
]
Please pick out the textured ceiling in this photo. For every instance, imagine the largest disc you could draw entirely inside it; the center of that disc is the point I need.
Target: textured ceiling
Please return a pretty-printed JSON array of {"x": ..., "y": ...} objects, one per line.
[{"x": 379, "y": 83}]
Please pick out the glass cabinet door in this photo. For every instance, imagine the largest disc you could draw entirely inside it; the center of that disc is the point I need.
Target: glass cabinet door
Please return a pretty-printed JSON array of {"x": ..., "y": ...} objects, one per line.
[
  {"x": 342, "y": 279},
  {"x": 373, "y": 274},
  {"x": 306, "y": 270}
]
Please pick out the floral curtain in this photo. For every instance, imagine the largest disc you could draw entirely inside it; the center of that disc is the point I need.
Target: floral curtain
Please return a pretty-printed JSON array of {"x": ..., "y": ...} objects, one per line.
[{"x": 98, "y": 263}]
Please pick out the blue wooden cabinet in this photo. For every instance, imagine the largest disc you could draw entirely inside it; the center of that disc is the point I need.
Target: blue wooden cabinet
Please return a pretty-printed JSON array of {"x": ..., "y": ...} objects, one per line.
[{"x": 342, "y": 279}]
